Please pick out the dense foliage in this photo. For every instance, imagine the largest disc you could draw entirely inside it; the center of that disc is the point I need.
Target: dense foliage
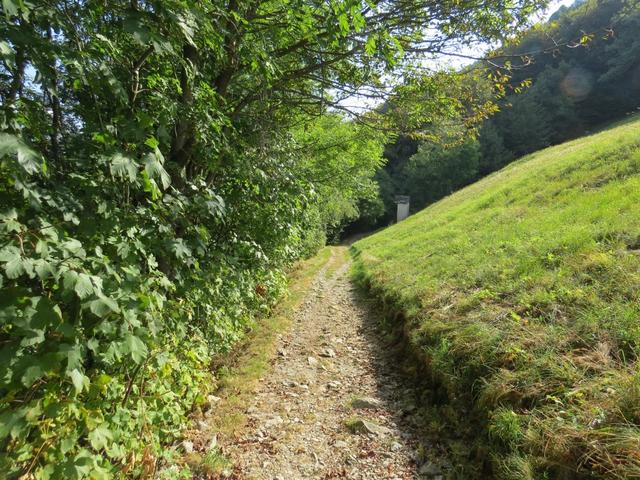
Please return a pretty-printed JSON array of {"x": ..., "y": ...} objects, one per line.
[
  {"x": 584, "y": 69},
  {"x": 161, "y": 163}
]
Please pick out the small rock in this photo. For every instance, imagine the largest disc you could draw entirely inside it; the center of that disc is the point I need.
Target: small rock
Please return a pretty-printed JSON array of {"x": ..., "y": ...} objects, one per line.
[
  {"x": 312, "y": 361},
  {"x": 187, "y": 446},
  {"x": 409, "y": 410},
  {"x": 212, "y": 400},
  {"x": 366, "y": 402},
  {"x": 202, "y": 426},
  {"x": 396, "y": 447},
  {"x": 341, "y": 444},
  {"x": 328, "y": 352},
  {"x": 364, "y": 426},
  {"x": 273, "y": 422},
  {"x": 430, "y": 469},
  {"x": 213, "y": 443},
  {"x": 282, "y": 352},
  {"x": 334, "y": 385}
]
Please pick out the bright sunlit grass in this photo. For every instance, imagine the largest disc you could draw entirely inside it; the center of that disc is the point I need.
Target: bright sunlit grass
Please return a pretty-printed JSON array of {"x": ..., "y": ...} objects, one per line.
[{"x": 523, "y": 292}]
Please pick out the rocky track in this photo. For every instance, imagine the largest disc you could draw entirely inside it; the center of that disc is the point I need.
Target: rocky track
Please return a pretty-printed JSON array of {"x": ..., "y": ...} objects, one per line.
[{"x": 333, "y": 405}]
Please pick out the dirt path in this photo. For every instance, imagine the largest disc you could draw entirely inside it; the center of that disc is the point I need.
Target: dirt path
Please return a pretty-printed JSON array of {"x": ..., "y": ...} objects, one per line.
[{"x": 332, "y": 406}]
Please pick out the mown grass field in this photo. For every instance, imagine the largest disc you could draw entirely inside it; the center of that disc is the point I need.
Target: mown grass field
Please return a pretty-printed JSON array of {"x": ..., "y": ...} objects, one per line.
[{"x": 521, "y": 294}]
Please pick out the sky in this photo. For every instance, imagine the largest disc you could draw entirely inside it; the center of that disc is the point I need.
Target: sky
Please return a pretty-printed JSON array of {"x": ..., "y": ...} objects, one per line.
[
  {"x": 360, "y": 104},
  {"x": 553, "y": 7}
]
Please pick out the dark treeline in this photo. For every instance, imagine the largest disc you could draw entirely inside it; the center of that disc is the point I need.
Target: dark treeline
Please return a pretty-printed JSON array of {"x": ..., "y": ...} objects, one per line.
[{"x": 584, "y": 67}]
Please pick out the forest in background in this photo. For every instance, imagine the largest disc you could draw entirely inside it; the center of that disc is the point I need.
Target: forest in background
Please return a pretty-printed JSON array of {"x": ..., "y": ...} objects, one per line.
[{"x": 575, "y": 88}]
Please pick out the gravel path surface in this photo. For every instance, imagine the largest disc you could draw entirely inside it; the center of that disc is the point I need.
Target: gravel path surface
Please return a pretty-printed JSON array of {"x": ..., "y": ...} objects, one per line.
[{"x": 333, "y": 406}]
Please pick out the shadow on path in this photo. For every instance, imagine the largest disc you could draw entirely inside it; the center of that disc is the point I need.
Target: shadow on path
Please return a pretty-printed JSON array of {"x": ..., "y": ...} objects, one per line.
[{"x": 428, "y": 426}]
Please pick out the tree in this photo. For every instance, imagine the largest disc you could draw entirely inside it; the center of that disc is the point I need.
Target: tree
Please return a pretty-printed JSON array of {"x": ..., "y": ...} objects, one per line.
[
  {"x": 434, "y": 172},
  {"x": 493, "y": 153},
  {"x": 340, "y": 160}
]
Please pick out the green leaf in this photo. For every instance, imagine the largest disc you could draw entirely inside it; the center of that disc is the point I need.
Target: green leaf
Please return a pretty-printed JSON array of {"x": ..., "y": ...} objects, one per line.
[
  {"x": 370, "y": 46},
  {"x": 180, "y": 249},
  {"x": 67, "y": 443},
  {"x": 83, "y": 286},
  {"x": 14, "y": 267},
  {"x": 150, "y": 186},
  {"x": 32, "y": 337},
  {"x": 73, "y": 247},
  {"x": 33, "y": 412},
  {"x": 31, "y": 374},
  {"x": 69, "y": 279},
  {"x": 80, "y": 466},
  {"x": 133, "y": 24},
  {"x": 155, "y": 170},
  {"x": 152, "y": 142},
  {"x": 10, "y": 8},
  {"x": 46, "y": 313},
  {"x": 10, "y": 222},
  {"x": 74, "y": 356},
  {"x": 7, "y": 53},
  {"x": 30, "y": 160},
  {"x": 44, "y": 473},
  {"x": 79, "y": 380},
  {"x": 136, "y": 348},
  {"x": 123, "y": 167},
  {"x": 188, "y": 26},
  {"x": 100, "y": 473},
  {"x": 9, "y": 253},
  {"x": 100, "y": 437},
  {"x": 103, "y": 306},
  {"x": 343, "y": 21},
  {"x": 44, "y": 269},
  {"x": 12, "y": 423}
]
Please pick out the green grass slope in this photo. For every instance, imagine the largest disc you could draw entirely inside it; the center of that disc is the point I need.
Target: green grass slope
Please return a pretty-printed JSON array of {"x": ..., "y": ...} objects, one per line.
[{"x": 521, "y": 293}]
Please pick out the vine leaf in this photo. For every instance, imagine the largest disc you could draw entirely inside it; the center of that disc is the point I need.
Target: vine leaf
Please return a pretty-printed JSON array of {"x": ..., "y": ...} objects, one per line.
[
  {"x": 136, "y": 348},
  {"x": 100, "y": 437},
  {"x": 83, "y": 286},
  {"x": 79, "y": 380}
]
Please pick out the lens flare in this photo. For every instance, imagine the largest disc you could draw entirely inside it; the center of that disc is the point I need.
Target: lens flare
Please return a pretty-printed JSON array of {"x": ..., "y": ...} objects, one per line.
[{"x": 577, "y": 84}]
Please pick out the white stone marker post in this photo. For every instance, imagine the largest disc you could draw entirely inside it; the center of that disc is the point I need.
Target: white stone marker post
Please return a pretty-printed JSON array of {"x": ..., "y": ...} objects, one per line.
[{"x": 403, "y": 207}]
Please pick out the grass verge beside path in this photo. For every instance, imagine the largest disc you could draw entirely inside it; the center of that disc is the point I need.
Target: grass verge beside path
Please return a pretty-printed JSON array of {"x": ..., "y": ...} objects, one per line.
[{"x": 521, "y": 295}]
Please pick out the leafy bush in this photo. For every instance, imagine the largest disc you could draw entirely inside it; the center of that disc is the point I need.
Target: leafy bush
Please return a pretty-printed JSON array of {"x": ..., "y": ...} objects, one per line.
[{"x": 111, "y": 311}]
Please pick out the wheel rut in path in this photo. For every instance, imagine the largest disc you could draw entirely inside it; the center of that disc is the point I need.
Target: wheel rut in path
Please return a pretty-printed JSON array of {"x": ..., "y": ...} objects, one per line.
[{"x": 333, "y": 405}]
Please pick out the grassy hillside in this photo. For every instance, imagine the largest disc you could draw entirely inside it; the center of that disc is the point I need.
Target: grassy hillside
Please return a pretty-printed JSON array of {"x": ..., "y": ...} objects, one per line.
[{"x": 521, "y": 293}]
